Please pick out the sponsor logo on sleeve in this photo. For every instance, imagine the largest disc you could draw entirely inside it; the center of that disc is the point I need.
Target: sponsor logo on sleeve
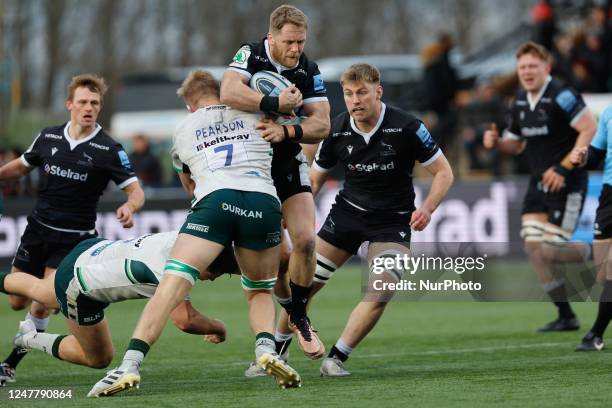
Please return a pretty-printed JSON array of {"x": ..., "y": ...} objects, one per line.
[
  {"x": 319, "y": 86},
  {"x": 425, "y": 136},
  {"x": 241, "y": 58},
  {"x": 125, "y": 161},
  {"x": 566, "y": 100}
]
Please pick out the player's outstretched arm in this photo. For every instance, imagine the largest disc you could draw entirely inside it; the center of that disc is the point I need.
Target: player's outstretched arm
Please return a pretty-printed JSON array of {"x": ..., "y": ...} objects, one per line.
[
  {"x": 135, "y": 201},
  {"x": 442, "y": 181},
  {"x": 586, "y": 127},
  {"x": 190, "y": 320},
  {"x": 236, "y": 93},
  {"x": 14, "y": 169}
]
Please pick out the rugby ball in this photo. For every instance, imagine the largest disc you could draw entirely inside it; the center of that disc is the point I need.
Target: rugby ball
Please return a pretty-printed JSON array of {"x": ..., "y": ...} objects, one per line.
[{"x": 269, "y": 83}]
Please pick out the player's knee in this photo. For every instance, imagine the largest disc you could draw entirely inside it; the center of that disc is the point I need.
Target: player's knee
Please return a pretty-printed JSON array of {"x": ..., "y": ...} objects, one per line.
[
  {"x": 18, "y": 302},
  {"x": 304, "y": 243},
  {"x": 257, "y": 285},
  {"x": 39, "y": 311},
  {"x": 100, "y": 361},
  {"x": 324, "y": 270},
  {"x": 532, "y": 233}
]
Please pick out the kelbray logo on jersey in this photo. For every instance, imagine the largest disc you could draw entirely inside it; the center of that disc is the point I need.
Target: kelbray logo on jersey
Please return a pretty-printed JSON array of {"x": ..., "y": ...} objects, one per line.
[
  {"x": 219, "y": 128},
  {"x": 349, "y": 148},
  {"x": 53, "y": 151},
  {"x": 69, "y": 174},
  {"x": 534, "y": 131},
  {"x": 369, "y": 168},
  {"x": 202, "y": 145}
]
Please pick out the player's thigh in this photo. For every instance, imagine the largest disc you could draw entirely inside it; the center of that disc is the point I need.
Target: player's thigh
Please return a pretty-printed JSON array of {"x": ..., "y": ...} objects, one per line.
[
  {"x": 45, "y": 292},
  {"x": 195, "y": 251},
  {"x": 206, "y": 231},
  {"x": 336, "y": 255},
  {"x": 603, "y": 258},
  {"x": 378, "y": 253},
  {"x": 258, "y": 265},
  {"x": 299, "y": 215}
]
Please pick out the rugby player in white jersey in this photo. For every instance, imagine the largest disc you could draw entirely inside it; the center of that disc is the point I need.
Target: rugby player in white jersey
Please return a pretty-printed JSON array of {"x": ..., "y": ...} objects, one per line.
[
  {"x": 223, "y": 159},
  {"x": 96, "y": 273}
]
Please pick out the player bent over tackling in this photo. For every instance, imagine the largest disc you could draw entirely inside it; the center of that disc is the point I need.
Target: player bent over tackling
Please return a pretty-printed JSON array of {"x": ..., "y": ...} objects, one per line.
[
  {"x": 377, "y": 145},
  {"x": 96, "y": 273},
  {"x": 223, "y": 159}
]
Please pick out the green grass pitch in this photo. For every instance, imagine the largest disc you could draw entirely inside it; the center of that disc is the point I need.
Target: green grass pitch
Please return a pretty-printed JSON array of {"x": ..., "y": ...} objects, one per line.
[{"x": 421, "y": 354}]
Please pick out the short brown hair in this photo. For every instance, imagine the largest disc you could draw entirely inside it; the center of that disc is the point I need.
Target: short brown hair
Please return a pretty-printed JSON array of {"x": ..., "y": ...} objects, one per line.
[
  {"x": 534, "y": 49},
  {"x": 287, "y": 14},
  {"x": 197, "y": 84},
  {"x": 361, "y": 72},
  {"x": 92, "y": 82}
]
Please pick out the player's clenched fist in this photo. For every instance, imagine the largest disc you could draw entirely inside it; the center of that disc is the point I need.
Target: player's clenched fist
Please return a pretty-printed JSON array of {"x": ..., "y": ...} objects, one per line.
[
  {"x": 420, "y": 219},
  {"x": 578, "y": 156},
  {"x": 289, "y": 99},
  {"x": 491, "y": 137}
]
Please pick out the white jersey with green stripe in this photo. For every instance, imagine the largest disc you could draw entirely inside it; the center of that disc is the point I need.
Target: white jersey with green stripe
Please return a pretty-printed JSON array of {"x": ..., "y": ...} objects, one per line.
[
  {"x": 112, "y": 271},
  {"x": 222, "y": 150}
]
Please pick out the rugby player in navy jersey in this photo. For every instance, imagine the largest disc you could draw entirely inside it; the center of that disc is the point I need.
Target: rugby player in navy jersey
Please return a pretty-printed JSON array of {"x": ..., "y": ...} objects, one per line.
[
  {"x": 377, "y": 145},
  {"x": 75, "y": 161},
  {"x": 548, "y": 119},
  {"x": 282, "y": 52}
]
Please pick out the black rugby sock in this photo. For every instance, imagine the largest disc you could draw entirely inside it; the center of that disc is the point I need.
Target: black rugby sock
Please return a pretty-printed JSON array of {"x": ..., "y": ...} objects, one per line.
[
  {"x": 604, "y": 313},
  {"x": 299, "y": 299},
  {"x": 15, "y": 357},
  {"x": 334, "y": 352}
]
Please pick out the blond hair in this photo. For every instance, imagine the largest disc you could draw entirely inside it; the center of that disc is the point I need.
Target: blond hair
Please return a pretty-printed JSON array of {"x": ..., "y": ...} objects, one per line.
[
  {"x": 197, "y": 84},
  {"x": 361, "y": 72},
  {"x": 534, "y": 49},
  {"x": 92, "y": 82},
  {"x": 287, "y": 14}
]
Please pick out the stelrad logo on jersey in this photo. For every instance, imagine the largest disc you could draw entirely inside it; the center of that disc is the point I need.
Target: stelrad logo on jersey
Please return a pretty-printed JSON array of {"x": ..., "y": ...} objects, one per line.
[
  {"x": 68, "y": 174},
  {"x": 369, "y": 168}
]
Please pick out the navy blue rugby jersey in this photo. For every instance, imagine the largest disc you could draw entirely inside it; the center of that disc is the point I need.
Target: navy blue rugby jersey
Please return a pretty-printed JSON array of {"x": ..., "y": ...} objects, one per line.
[
  {"x": 378, "y": 165},
  {"x": 73, "y": 175},
  {"x": 546, "y": 124},
  {"x": 255, "y": 56}
]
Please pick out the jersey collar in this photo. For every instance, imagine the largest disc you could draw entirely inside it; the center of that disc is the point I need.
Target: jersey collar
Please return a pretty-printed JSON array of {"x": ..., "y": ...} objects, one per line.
[
  {"x": 74, "y": 143},
  {"x": 367, "y": 136},
  {"x": 278, "y": 66},
  {"x": 533, "y": 102}
]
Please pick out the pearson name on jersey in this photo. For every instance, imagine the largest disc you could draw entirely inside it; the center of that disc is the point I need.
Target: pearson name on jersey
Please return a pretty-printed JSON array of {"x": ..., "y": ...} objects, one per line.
[{"x": 222, "y": 150}]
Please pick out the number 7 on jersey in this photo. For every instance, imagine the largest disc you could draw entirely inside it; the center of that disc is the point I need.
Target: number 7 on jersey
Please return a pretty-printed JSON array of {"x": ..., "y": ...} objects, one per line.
[{"x": 229, "y": 148}]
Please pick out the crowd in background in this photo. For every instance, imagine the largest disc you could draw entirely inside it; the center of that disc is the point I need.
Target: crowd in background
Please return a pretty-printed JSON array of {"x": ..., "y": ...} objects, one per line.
[
  {"x": 581, "y": 56},
  {"x": 457, "y": 117}
]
